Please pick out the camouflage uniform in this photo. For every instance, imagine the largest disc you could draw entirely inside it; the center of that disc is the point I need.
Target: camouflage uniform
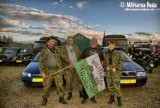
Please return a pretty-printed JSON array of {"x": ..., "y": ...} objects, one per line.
[
  {"x": 43, "y": 66},
  {"x": 71, "y": 75},
  {"x": 113, "y": 78}
]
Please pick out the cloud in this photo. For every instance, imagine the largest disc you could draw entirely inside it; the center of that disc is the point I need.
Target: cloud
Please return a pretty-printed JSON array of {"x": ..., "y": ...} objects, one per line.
[
  {"x": 89, "y": 26},
  {"x": 60, "y": 1},
  {"x": 43, "y": 27},
  {"x": 143, "y": 33},
  {"x": 21, "y": 32},
  {"x": 20, "y": 12},
  {"x": 12, "y": 23},
  {"x": 81, "y": 5},
  {"x": 71, "y": 7},
  {"x": 55, "y": 3}
]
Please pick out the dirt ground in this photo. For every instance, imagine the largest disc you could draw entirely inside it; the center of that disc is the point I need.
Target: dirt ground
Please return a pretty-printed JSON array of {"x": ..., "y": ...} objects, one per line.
[{"x": 14, "y": 95}]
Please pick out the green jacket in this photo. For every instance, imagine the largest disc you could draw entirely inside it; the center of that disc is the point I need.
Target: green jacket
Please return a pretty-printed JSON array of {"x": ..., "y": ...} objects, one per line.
[
  {"x": 43, "y": 62},
  {"x": 65, "y": 57},
  {"x": 117, "y": 60}
]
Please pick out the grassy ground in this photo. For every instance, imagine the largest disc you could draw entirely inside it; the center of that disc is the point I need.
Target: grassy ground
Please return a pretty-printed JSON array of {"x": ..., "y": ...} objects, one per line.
[{"x": 14, "y": 95}]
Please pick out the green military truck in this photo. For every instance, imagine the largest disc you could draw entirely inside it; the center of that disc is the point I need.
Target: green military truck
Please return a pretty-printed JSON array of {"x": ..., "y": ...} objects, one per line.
[
  {"x": 42, "y": 42},
  {"x": 121, "y": 41}
]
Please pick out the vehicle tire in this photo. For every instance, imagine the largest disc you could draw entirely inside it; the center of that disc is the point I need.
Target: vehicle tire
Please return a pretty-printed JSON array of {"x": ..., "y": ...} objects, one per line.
[{"x": 150, "y": 70}]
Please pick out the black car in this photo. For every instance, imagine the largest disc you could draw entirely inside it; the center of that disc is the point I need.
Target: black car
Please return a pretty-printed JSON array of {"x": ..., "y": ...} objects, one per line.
[
  {"x": 25, "y": 56},
  {"x": 140, "y": 53},
  {"x": 8, "y": 54}
]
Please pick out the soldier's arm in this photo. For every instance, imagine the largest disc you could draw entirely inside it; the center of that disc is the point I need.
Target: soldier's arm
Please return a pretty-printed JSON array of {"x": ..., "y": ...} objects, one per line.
[
  {"x": 82, "y": 56},
  {"x": 78, "y": 51},
  {"x": 41, "y": 62},
  {"x": 63, "y": 56},
  {"x": 120, "y": 64}
]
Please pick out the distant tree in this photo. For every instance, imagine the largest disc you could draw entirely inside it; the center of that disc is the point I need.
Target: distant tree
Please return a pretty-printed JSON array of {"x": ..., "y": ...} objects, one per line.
[{"x": 4, "y": 38}]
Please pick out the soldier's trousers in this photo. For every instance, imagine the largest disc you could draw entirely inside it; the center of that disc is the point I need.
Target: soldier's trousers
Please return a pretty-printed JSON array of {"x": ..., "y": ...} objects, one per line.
[
  {"x": 113, "y": 82},
  {"x": 72, "y": 79},
  {"x": 48, "y": 82}
]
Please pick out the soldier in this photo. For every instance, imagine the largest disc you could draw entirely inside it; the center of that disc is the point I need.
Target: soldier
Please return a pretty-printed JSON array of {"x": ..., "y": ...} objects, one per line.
[
  {"x": 93, "y": 49},
  {"x": 70, "y": 54},
  {"x": 113, "y": 63},
  {"x": 49, "y": 63}
]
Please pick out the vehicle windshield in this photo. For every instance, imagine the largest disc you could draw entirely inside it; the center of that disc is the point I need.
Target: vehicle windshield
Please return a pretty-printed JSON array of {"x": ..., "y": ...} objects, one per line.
[
  {"x": 118, "y": 42},
  {"x": 10, "y": 51},
  {"x": 141, "y": 45},
  {"x": 36, "y": 58},
  {"x": 39, "y": 44},
  {"x": 125, "y": 57},
  {"x": 26, "y": 51}
]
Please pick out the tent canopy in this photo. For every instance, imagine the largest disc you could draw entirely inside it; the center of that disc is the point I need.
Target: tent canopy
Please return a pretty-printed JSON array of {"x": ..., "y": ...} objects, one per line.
[{"x": 81, "y": 41}]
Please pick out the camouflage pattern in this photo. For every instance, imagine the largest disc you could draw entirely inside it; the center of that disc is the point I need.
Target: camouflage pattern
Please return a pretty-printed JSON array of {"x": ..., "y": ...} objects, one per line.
[
  {"x": 43, "y": 66},
  {"x": 48, "y": 82},
  {"x": 72, "y": 79},
  {"x": 43, "y": 62},
  {"x": 71, "y": 75},
  {"x": 113, "y": 78}
]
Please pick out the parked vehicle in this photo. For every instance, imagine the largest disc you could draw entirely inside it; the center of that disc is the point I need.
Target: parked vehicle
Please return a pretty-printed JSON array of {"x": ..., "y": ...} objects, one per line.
[
  {"x": 158, "y": 48},
  {"x": 132, "y": 73},
  {"x": 121, "y": 41},
  {"x": 39, "y": 45},
  {"x": 25, "y": 56},
  {"x": 2, "y": 50},
  {"x": 148, "y": 64},
  {"x": 8, "y": 54},
  {"x": 139, "y": 50}
]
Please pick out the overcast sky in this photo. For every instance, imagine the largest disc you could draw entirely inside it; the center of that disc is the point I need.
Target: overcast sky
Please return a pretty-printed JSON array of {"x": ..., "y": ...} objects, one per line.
[{"x": 28, "y": 20}]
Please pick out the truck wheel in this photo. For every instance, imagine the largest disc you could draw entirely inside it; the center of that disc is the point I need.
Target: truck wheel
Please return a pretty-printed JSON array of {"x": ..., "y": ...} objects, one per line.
[{"x": 150, "y": 70}]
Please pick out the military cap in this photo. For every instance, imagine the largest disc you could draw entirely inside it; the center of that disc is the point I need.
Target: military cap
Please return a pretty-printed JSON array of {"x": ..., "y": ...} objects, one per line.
[{"x": 50, "y": 38}]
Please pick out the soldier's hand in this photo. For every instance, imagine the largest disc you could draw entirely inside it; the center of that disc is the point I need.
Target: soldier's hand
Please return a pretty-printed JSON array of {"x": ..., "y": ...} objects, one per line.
[
  {"x": 114, "y": 70},
  {"x": 108, "y": 68},
  {"x": 102, "y": 69},
  {"x": 43, "y": 75},
  {"x": 71, "y": 65}
]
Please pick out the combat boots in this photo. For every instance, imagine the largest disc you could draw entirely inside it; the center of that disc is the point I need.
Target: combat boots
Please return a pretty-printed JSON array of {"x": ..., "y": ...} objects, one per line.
[
  {"x": 111, "y": 100},
  {"x": 119, "y": 101},
  {"x": 62, "y": 100},
  {"x": 83, "y": 101},
  {"x": 93, "y": 100},
  {"x": 44, "y": 102},
  {"x": 69, "y": 96},
  {"x": 80, "y": 94}
]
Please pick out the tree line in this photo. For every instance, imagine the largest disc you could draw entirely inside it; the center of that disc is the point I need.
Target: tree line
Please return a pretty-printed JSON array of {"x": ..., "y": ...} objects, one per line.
[{"x": 8, "y": 41}]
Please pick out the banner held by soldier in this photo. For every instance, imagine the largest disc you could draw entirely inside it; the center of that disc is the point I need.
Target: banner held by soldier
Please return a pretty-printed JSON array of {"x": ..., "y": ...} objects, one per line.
[{"x": 91, "y": 74}]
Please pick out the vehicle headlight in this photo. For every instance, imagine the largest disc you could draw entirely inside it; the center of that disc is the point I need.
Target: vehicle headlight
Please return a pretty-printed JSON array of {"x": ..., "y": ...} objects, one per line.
[
  {"x": 141, "y": 73},
  {"x": 26, "y": 74},
  {"x": 151, "y": 64},
  {"x": 14, "y": 58},
  {"x": 25, "y": 58}
]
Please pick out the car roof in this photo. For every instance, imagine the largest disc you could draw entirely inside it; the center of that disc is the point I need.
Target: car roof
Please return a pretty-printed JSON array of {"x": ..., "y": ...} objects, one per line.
[
  {"x": 144, "y": 49},
  {"x": 106, "y": 49}
]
